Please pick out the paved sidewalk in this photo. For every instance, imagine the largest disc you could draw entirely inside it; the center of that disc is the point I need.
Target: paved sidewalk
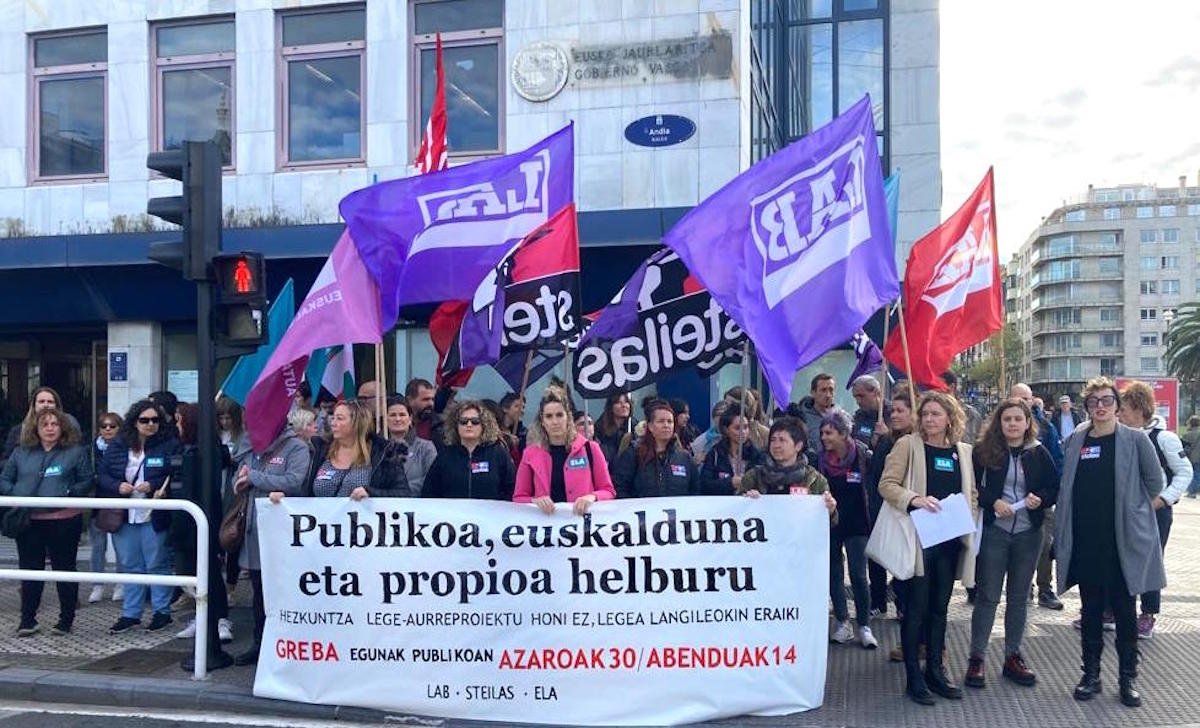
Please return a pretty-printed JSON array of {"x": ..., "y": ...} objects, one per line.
[{"x": 863, "y": 689}]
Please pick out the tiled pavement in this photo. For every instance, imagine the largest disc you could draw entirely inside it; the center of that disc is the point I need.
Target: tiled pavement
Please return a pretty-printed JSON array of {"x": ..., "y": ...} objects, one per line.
[{"x": 863, "y": 688}]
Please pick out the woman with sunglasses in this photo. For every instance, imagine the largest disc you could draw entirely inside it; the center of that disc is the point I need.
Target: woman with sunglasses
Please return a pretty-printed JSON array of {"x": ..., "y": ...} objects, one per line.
[
  {"x": 475, "y": 463},
  {"x": 136, "y": 465},
  {"x": 109, "y": 426},
  {"x": 1106, "y": 534}
]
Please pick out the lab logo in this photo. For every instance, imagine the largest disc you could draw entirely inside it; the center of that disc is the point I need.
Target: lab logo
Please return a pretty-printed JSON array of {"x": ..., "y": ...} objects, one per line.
[
  {"x": 812, "y": 220},
  {"x": 966, "y": 268}
]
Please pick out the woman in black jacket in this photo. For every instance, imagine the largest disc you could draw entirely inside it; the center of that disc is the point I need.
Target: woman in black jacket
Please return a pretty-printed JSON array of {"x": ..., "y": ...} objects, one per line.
[
  {"x": 475, "y": 463},
  {"x": 355, "y": 462},
  {"x": 615, "y": 422},
  {"x": 657, "y": 466},
  {"x": 136, "y": 465},
  {"x": 1017, "y": 483},
  {"x": 731, "y": 457}
]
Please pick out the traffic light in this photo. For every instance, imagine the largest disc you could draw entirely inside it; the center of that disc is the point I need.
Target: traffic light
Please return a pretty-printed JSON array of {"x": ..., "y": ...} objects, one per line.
[
  {"x": 241, "y": 299},
  {"x": 198, "y": 210}
]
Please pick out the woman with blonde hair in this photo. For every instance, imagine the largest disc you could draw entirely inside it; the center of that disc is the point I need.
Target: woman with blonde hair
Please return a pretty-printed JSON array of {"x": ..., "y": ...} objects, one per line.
[
  {"x": 475, "y": 463},
  {"x": 922, "y": 469},
  {"x": 355, "y": 463},
  {"x": 559, "y": 465}
]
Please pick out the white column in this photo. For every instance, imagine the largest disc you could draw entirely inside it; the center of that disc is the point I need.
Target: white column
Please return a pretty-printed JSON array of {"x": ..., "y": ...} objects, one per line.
[{"x": 141, "y": 342}]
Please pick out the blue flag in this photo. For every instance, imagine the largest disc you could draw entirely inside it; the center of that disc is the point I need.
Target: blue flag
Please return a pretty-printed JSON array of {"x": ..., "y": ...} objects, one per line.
[
  {"x": 247, "y": 368},
  {"x": 797, "y": 249},
  {"x": 891, "y": 190}
]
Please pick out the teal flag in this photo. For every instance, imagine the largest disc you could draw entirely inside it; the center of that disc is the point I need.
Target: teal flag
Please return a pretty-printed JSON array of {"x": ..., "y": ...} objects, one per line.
[
  {"x": 891, "y": 192},
  {"x": 316, "y": 369},
  {"x": 246, "y": 370}
]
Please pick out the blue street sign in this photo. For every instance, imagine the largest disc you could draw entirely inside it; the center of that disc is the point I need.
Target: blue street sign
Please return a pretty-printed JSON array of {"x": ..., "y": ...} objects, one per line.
[{"x": 660, "y": 130}]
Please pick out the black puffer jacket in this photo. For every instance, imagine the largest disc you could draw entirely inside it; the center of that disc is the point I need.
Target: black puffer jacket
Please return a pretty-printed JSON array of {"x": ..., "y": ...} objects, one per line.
[
  {"x": 387, "y": 467},
  {"x": 487, "y": 473},
  {"x": 672, "y": 473},
  {"x": 716, "y": 475},
  {"x": 159, "y": 451}
]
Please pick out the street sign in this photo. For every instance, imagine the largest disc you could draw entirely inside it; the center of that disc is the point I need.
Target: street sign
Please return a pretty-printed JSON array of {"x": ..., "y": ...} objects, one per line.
[{"x": 660, "y": 130}]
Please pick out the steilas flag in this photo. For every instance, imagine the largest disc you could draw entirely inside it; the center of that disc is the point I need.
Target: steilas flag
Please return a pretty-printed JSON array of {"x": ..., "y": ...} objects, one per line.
[
  {"x": 342, "y": 307},
  {"x": 952, "y": 293}
]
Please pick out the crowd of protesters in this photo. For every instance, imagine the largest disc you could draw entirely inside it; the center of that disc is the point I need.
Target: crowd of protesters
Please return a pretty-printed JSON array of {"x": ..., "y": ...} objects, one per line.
[{"x": 1090, "y": 490}]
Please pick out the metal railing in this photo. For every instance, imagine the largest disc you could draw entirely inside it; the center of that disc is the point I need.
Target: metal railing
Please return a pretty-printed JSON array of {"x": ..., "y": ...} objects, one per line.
[{"x": 199, "y": 581}]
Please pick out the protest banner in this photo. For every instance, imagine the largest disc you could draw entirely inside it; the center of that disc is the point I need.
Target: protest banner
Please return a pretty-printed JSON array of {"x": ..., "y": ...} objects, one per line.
[{"x": 643, "y": 611}]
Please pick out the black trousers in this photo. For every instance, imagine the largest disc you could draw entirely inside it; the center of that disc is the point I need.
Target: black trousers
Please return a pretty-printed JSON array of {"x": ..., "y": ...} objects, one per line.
[
  {"x": 260, "y": 610},
  {"x": 58, "y": 539},
  {"x": 878, "y": 577},
  {"x": 1094, "y": 598},
  {"x": 927, "y": 602}
]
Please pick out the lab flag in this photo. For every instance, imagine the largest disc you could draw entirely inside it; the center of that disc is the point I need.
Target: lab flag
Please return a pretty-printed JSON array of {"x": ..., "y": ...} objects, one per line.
[
  {"x": 341, "y": 307},
  {"x": 435, "y": 237},
  {"x": 798, "y": 248},
  {"x": 952, "y": 289},
  {"x": 247, "y": 368}
]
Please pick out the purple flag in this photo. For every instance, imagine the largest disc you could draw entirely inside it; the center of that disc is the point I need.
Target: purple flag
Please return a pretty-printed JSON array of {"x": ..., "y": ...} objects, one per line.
[
  {"x": 797, "y": 249},
  {"x": 435, "y": 237},
  {"x": 870, "y": 358}
]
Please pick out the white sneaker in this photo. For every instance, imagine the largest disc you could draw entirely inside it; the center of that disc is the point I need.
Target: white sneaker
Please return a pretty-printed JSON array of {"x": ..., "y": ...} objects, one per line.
[
  {"x": 866, "y": 639},
  {"x": 118, "y": 592},
  {"x": 224, "y": 630},
  {"x": 187, "y": 632},
  {"x": 96, "y": 595},
  {"x": 842, "y": 633}
]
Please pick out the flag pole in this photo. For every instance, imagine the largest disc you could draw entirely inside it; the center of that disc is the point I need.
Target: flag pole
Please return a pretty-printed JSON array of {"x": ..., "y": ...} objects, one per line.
[
  {"x": 525, "y": 375},
  {"x": 382, "y": 389},
  {"x": 884, "y": 373},
  {"x": 379, "y": 411},
  {"x": 745, "y": 376},
  {"x": 912, "y": 384}
]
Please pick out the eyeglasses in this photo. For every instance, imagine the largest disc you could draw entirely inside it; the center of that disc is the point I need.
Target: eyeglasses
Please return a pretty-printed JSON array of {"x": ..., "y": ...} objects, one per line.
[
  {"x": 473, "y": 421},
  {"x": 108, "y": 425},
  {"x": 148, "y": 420},
  {"x": 1107, "y": 400}
]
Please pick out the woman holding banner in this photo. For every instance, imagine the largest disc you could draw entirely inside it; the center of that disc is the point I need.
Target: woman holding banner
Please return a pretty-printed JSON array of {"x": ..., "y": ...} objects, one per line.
[
  {"x": 731, "y": 457},
  {"x": 559, "y": 465},
  {"x": 1017, "y": 483},
  {"x": 922, "y": 469},
  {"x": 475, "y": 463},
  {"x": 657, "y": 465},
  {"x": 844, "y": 463},
  {"x": 615, "y": 422}
]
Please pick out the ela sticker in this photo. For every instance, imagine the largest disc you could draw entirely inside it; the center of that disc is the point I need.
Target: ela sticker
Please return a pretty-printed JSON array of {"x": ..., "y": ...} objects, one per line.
[
  {"x": 577, "y": 463},
  {"x": 945, "y": 465},
  {"x": 482, "y": 467}
]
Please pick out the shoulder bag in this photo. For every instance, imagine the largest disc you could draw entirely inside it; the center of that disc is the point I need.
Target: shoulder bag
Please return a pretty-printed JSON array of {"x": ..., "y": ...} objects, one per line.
[{"x": 893, "y": 541}]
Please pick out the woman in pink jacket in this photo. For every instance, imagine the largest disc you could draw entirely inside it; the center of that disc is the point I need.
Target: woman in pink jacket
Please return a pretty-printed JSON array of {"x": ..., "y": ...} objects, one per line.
[{"x": 559, "y": 465}]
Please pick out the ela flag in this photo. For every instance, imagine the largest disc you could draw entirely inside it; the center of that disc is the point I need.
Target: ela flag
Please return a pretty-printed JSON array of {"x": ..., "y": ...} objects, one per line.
[
  {"x": 247, "y": 368},
  {"x": 797, "y": 249},
  {"x": 660, "y": 322},
  {"x": 432, "y": 155},
  {"x": 952, "y": 293},
  {"x": 341, "y": 307},
  {"x": 435, "y": 237}
]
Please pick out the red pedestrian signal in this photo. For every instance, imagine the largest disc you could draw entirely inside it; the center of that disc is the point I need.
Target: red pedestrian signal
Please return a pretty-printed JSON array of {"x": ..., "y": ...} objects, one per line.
[{"x": 240, "y": 276}]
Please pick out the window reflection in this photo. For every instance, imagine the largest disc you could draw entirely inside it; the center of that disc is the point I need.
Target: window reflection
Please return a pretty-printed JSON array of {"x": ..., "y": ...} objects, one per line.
[
  {"x": 452, "y": 15},
  {"x": 317, "y": 28},
  {"x": 811, "y": 102},
  {"x": 324, "y": 109},
  {"x": 860, "y": 65},
  {"x": 472, "y": 95},
  {"x": 191, "y": 40},
  {"x": 71, "y": 126},
  {"x": 196, "y": 106}
]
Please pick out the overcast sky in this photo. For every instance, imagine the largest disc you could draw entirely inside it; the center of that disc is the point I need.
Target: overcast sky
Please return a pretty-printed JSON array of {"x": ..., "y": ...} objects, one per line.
[{"x": 1059, "y": 94}]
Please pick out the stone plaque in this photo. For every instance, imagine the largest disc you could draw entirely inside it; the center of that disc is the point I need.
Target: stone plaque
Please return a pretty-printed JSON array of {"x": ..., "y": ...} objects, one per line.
[
  {"x": 539, "y": 71},
  {"x": 654, "y": 61}
]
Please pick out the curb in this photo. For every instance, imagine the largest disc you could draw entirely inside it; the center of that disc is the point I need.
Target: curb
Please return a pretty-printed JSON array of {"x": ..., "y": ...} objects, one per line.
[{"x": 50, "y": 686}]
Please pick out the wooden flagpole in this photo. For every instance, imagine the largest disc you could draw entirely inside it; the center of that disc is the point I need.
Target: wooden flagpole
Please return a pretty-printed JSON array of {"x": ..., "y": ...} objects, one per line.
[
  {"x": 525, "y": 375},
  {"x": 884, "y": 375},
  {"x": 912, "y": 384}
]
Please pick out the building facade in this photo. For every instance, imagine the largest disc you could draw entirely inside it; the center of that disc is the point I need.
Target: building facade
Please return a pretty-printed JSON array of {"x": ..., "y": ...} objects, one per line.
[
  {"x": 1098, "y": 282},
  {"x": 311, "y": 99}
]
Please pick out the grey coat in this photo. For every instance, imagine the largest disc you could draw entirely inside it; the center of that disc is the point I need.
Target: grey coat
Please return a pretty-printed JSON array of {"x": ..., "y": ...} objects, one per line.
[
  {"x": 282, "y": 467},
  {"x": 421, "y": 454},
  {"x": 61, "y": 472},
  {"x": 1138, "y": 480}
]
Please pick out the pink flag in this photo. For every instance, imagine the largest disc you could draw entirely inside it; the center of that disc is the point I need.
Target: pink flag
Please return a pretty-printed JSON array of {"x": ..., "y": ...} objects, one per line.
[{"x": 342, "y": 307}]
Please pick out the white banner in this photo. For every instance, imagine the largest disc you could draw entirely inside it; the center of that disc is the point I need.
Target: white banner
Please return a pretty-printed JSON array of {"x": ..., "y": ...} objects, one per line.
[{"x": 647, "y": 611}]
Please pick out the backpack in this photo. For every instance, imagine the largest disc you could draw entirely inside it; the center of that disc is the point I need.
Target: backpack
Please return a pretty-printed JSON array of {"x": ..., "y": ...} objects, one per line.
[{"x": 1162, "y": 459}]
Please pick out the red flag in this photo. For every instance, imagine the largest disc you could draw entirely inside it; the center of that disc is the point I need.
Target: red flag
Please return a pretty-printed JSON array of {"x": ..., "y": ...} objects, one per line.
[
  {"x": 431, "y": 157},
  {"x": 444, "y": 325},
  {"x": 952, "y": 292}
]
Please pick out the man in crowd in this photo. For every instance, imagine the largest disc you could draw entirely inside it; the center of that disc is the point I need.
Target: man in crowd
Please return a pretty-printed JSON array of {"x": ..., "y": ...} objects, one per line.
[
  {"x": 1048, "y": 435},
  {"x": 419, "y": 393},
  {"x": 815, "y": 406},
  {"x": 974, "y": 419},
  {"x": 367, "y": 392},
  {"x": 868, "y": 425},
  {"x": 1067, "y": 418}
]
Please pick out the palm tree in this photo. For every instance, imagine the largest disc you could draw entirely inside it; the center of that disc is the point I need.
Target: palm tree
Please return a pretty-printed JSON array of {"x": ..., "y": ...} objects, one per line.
[{"x": 1182, "y": 357}]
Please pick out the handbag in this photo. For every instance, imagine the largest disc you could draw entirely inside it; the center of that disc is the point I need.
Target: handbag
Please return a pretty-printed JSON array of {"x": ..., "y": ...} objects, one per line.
[
  {"x": 893, "y": 540},
  {"x": 232, "y": 532},
  {"x": 109, "y": 520},
  {"x": 15, "y": 521}
]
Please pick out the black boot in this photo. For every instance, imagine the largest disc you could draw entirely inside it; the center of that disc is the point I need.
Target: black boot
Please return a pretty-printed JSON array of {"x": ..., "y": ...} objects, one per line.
[
  {"x": 1130, "y": 697},
  {"x": 939, "y": 682},
  {"x": 916, "y": 690},
  {"x": 1089, "y": 684},
  {"x": 1127, "y": 660}
]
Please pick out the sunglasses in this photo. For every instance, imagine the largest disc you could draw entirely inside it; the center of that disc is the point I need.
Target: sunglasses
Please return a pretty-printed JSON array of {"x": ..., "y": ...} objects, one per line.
[
  {"x": 108, "y": 426},
  {"x": 474, "y": 421},
  {"x": 148, "y": 420},
  {"x": 1106, "y": 401}
]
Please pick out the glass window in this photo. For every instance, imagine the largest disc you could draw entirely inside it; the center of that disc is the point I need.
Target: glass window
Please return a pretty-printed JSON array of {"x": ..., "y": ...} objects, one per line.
[
  {"x": 471, "y": 32},
  {"x": 1145, "y": 212},
  {"x": 1108, "y": 315},
  {"x": 851, "y": 6},
  {"x": 1110, "y": 340},
  {"x": 860, "y": 66},
  {"x": 1169, "y": 262},
  {"x": 1076, "y": 216},
  {"x": 1150, "y": 262},
  {"x": 1149, "y": 364},
  {"x": 322, "y": 113},
  {"x": 1148, "y": 287},
  {"x": 809, "y": 9},
  {"x": 1148, "y": 314},
  {"x": 1193, "y": 210},
  {"x": 1110, "y": 266},
  {"x": 1112, "y": 213},
  {"x": 1166, "y": 211},
  {"x": 194, "y": 85},
  {"x": 1108, "y": 367},
  {"x": 1149, "y": 339},
  {"x": 1149, "y": 236},
  {"x": 811, "y": 94},
  {"x": 69, "y": 77},
  {"x": 1170, "y": 235},
  {"x": 1170, "y": 286},
  {"x": 1106, "y": 239}
]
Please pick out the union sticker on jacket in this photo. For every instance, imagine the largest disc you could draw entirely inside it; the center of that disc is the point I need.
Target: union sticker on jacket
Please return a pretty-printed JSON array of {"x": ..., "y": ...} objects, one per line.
[
  {"x": 577, "y": 463},
  {"x": 1090, "y": 452},
  {"x": 277, "y": 460},
  {"x": 481, "y": 467},
  {"x": 853, "y": 477},
  {"x": 679, "y": 470}
]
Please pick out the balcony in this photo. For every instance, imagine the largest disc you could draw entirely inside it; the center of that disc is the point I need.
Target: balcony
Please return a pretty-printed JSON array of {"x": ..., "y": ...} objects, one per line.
[
  {"x": 1077, "y": 250},
  {"x": 1041, "y": 329},
  {"x": 1097, "y": 299}
]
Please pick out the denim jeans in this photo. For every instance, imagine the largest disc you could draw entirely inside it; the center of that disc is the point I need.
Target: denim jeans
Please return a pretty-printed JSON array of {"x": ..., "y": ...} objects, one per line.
[
  {"x": 142, "y": 550},
  {"x": 1194, "y": 486},
  {"x": 1152, "y": 600},
  {"x": 1003, "y": 555},
  {"x": 856, "y": 555}
]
